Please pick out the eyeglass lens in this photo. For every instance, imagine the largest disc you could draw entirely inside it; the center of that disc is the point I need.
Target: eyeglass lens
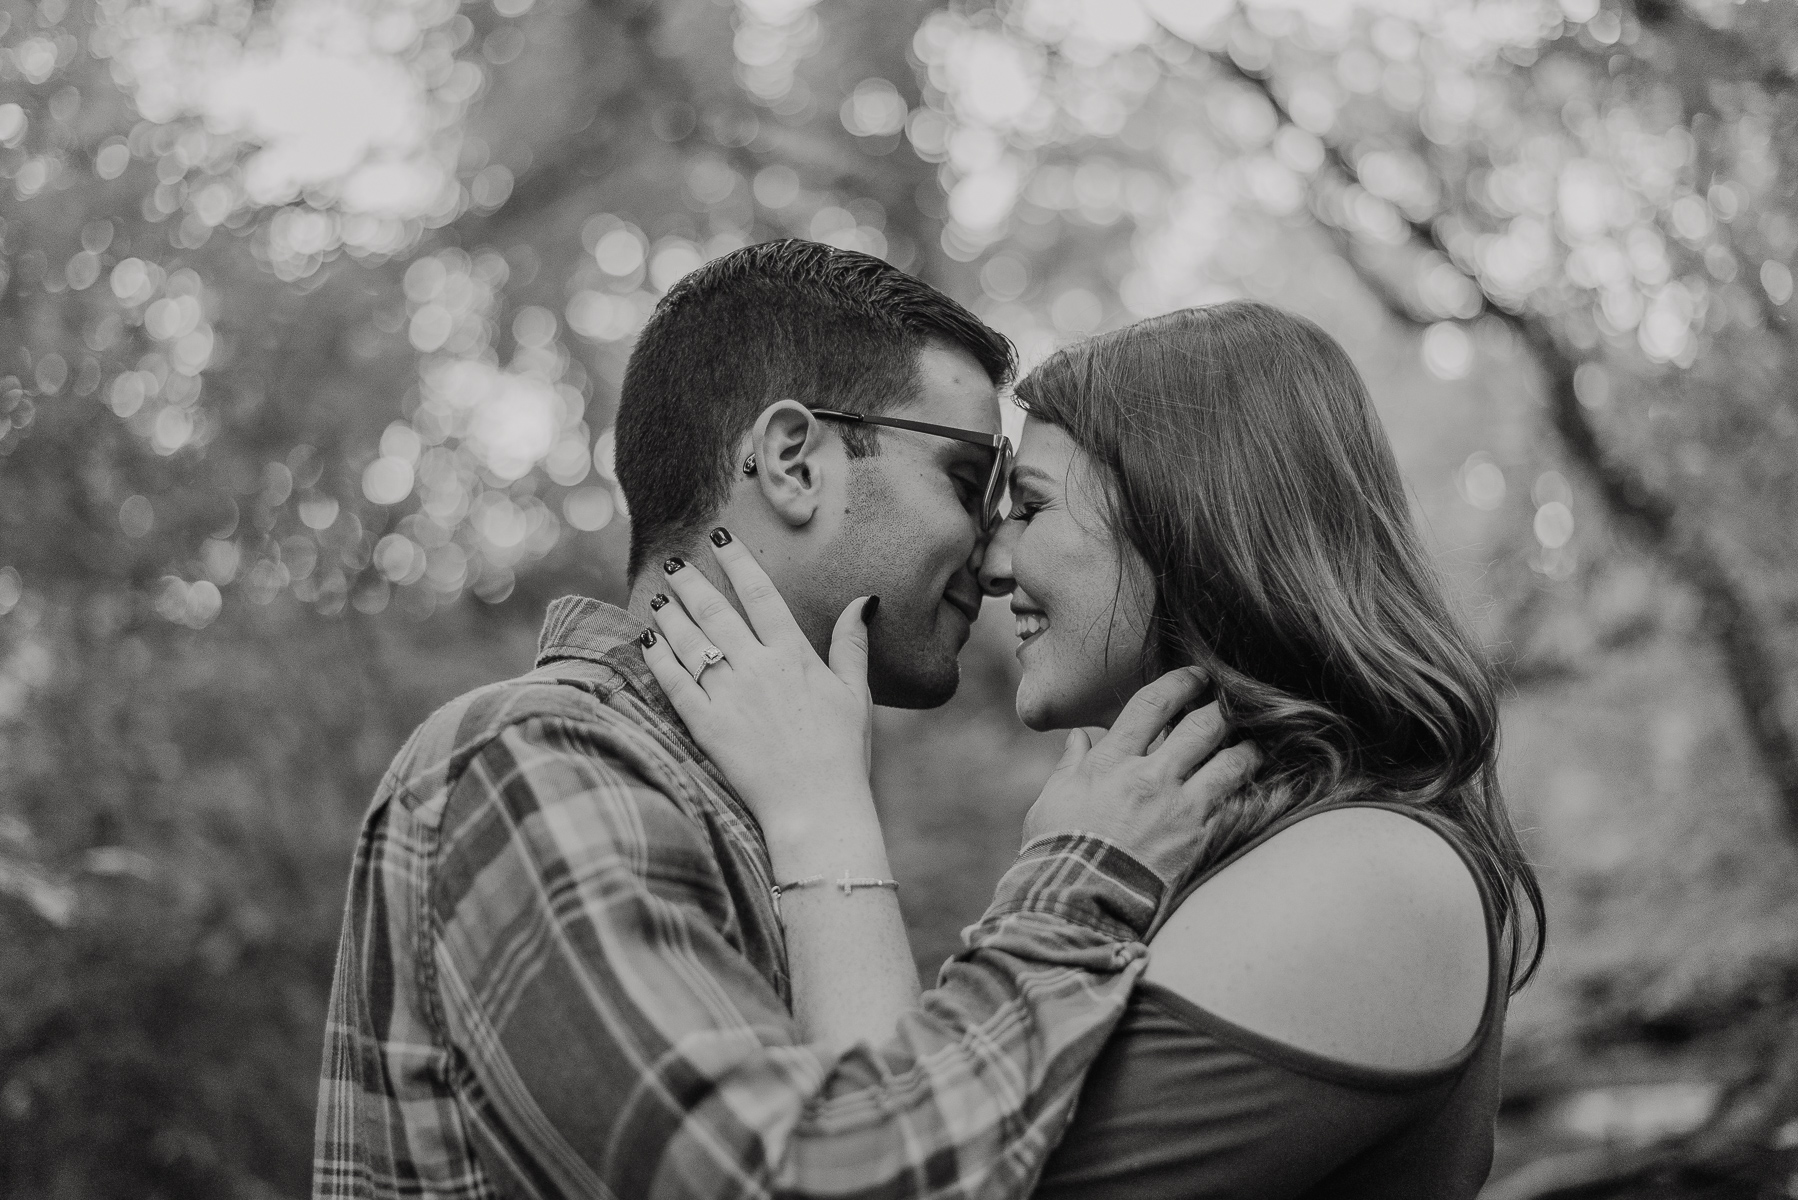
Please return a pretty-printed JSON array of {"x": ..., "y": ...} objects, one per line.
[{"x": 995, "y": 486}]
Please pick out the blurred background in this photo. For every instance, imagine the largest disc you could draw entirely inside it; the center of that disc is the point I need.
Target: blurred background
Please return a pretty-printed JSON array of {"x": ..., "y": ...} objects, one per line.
[{"x": 312, "y": 319}]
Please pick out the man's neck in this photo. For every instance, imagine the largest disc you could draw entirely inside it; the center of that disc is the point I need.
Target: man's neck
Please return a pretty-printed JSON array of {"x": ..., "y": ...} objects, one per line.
[{"x": 653, "y": 580}]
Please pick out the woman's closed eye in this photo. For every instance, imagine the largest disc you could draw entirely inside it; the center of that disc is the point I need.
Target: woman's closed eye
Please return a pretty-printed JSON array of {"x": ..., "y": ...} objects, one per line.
[
  {"x": 1029, "y": 493},
  {"x": 1023, "y": 508}
]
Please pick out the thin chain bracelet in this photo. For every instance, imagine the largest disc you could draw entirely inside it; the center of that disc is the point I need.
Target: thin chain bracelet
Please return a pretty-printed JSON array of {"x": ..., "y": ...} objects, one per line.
[{"x": 847, "y": 884}]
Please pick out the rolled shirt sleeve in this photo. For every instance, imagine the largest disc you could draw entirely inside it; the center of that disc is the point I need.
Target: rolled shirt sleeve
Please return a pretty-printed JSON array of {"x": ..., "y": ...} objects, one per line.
[{"x": 614, "y": 1040}]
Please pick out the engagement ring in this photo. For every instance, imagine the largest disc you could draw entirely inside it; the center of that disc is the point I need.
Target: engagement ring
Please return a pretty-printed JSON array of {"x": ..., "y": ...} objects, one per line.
[{"x": 710, "y": 656}]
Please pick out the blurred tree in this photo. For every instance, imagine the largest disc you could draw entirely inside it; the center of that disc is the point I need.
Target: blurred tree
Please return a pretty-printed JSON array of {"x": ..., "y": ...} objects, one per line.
[
  {"x": 312, "y": 317},
  {"x": 1604, "y": 188}
]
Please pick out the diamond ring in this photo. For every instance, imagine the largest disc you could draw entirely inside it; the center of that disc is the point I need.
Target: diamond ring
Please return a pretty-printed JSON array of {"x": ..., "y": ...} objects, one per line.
[{"x": 710, "y": 656}]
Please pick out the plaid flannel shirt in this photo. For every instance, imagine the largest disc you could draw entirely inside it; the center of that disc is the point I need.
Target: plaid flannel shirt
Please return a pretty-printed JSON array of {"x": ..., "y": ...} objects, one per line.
[{"x": 562, "y": 974}]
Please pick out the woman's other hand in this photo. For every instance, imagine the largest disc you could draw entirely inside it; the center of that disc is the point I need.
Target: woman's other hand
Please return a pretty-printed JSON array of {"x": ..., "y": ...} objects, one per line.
[
  {"x": 1143, "y": 791},
  {"x": 791, "y": 732}
]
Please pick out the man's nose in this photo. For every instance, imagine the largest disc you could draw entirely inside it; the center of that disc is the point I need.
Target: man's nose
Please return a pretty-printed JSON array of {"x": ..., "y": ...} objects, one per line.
[{"x": 992, "y": 560}]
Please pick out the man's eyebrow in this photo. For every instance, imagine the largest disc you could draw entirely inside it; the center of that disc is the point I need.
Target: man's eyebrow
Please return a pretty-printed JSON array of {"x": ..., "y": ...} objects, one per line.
[{"x": 954, "y": 453}]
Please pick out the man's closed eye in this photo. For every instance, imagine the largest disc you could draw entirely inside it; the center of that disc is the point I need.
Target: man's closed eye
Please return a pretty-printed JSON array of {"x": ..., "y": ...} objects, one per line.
[{"x": 969, "y": 489}]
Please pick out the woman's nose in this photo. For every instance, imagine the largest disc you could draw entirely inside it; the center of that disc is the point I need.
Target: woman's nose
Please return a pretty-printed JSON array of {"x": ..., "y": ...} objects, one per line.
[{"x": 994, "y": 559}]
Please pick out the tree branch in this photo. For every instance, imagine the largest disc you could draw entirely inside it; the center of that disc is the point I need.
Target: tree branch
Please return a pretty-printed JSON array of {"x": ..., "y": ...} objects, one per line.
[
  {"x": 1693, "y": 56},
  {"x": 1745, "y": 1119},
  {"x": 1726, "y": 54},
  {"x": 1749, "y": 647},
  {"x": 1737, "y": 1142}
]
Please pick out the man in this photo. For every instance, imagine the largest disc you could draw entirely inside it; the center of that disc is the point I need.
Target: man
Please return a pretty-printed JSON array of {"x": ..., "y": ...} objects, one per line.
[{"x": 562, "y": 972}]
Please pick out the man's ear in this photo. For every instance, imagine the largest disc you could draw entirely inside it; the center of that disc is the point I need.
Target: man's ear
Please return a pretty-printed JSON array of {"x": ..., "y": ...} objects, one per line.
[{"x": 788, "y": 444}]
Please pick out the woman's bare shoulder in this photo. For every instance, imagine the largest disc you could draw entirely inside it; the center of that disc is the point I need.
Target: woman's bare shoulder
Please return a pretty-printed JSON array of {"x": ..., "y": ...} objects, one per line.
[{"x": 1357, "y": 934}]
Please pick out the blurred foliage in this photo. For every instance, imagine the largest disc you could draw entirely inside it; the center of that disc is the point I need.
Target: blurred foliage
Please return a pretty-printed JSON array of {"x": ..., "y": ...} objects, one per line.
[{"x": 312, "y": 317}]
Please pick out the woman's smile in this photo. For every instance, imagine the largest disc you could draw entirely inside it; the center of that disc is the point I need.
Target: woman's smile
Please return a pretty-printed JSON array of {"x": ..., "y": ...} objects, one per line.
[{"x": 1030, "y": 624}]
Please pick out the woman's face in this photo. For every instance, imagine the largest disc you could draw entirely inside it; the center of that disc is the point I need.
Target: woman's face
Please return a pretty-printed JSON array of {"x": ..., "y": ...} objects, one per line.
[{"x": 1081, "y": 597}]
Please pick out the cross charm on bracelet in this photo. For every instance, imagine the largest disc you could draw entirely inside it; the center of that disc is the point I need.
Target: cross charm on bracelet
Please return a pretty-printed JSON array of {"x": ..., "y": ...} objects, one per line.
[{"x": 849, "y": 884}]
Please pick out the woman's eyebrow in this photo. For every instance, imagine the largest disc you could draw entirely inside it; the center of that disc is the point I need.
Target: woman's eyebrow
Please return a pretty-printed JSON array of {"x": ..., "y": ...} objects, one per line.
[{"x": 1036, "y": 475}]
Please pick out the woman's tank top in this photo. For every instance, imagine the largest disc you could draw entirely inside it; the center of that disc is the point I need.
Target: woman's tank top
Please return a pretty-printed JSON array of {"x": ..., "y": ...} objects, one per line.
[{"x": 1184, "y": 1105}]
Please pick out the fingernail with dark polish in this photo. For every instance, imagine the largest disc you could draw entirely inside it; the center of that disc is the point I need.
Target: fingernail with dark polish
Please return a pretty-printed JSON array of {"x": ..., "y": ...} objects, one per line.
[
  {"x": 869, "y": 607},
  {"x": 673, "y": 565},
  {"x": 721, "y": 536},
  {"x": 648, "y": 639},
  {"x": 657, "y": 601}
]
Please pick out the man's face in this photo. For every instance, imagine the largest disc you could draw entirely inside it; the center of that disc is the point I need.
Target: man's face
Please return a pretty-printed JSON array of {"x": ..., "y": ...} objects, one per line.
[{"x": 912, "y": 527}]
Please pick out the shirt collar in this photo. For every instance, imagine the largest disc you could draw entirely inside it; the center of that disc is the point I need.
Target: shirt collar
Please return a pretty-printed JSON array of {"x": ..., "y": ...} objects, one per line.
[{"x": 582, "y": 627}]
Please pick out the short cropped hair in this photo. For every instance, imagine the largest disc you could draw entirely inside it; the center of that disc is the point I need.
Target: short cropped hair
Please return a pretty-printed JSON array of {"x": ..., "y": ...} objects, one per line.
[{"x": 789, "y": 319}]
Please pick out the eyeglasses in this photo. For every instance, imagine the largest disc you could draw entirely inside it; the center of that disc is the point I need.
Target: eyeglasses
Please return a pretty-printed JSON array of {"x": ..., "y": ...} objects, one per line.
[{"x": 996, "y": 442}]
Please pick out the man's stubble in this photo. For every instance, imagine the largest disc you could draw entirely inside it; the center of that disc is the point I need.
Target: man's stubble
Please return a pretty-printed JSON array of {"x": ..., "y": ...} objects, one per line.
[{"x": 912, "y": 654}]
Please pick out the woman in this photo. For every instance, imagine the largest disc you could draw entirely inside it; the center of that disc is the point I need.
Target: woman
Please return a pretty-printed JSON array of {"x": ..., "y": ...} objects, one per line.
[{"x": 1322, "y": 1010}]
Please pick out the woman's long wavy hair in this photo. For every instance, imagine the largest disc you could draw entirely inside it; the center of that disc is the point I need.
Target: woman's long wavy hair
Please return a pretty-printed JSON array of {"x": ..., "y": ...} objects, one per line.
[{"x": 1251, "y": 473}]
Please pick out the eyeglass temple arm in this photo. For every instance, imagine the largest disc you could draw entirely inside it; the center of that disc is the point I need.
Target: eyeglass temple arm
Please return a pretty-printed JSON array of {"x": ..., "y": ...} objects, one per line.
[{"x": 961, "y": 435}]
